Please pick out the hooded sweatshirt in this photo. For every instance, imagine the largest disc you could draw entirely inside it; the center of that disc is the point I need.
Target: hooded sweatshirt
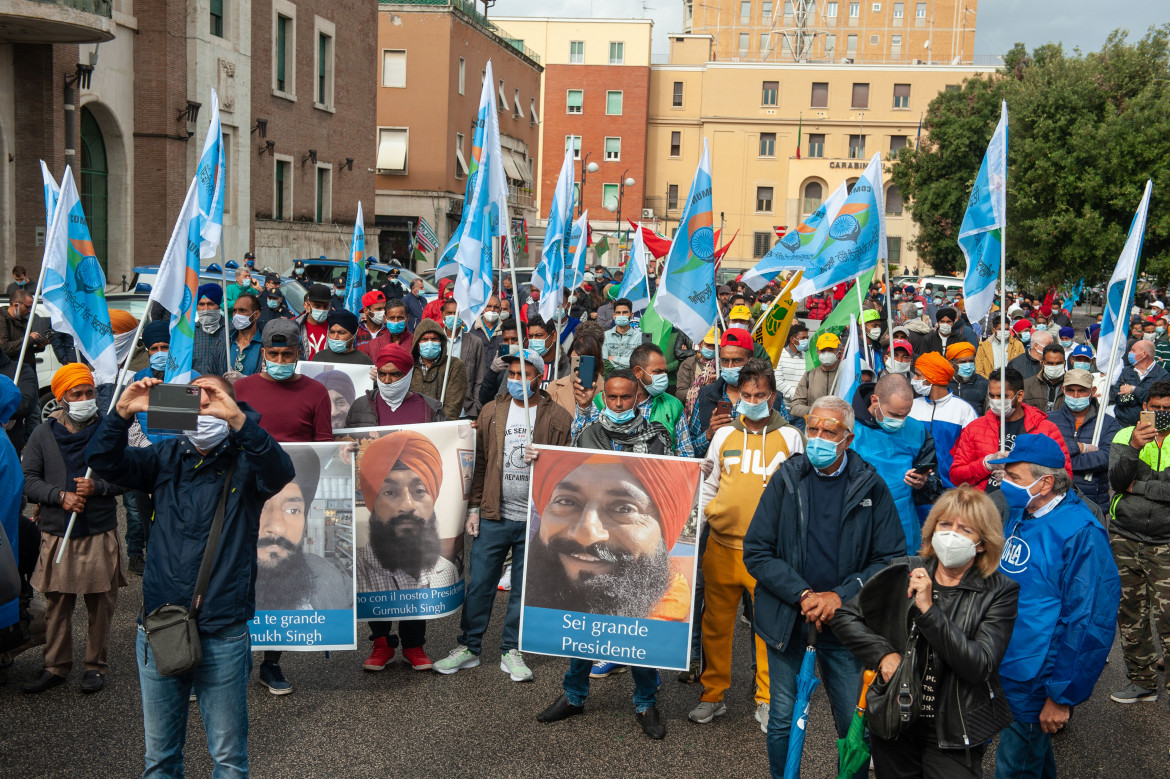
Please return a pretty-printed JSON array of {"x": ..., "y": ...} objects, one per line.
[
  {"x": 743, "y": 463},
  {"x": 430, "y": 381}
]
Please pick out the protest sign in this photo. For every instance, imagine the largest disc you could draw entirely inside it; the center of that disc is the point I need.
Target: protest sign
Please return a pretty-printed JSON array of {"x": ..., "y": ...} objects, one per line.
[
  {"x": 413, "y": 485},
  {"x": 305, "y": 590},
  {"x": 606, "y": 576},
  {"x": 346, "y": 383}
]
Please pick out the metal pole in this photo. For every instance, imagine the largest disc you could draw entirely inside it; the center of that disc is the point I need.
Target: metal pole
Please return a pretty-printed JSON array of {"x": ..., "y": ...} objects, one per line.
[
  {"x": 227, "y": 321},
  {"x": 1003, "y": 327},
  {"x": 862, "y": 343},
  {"x": 31, "y": 313}
]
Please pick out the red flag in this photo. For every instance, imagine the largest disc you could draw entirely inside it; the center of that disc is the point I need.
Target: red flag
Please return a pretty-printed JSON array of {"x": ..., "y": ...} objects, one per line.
[
  {"x": 654, "y": 243},
  {"x": 722, "y": 251}
]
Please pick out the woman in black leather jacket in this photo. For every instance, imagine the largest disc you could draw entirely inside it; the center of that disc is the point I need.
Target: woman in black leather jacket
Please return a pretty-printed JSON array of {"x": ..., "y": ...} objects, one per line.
[{"x": 964, "y": 609}]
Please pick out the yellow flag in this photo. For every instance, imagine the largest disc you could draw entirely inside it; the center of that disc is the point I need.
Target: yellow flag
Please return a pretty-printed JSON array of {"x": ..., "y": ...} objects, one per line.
[{"x": 771, "y": 331}]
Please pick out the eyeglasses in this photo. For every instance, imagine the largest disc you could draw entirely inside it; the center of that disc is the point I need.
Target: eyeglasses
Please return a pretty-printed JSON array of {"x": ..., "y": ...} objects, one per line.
[{"x": 825, "y": 424}]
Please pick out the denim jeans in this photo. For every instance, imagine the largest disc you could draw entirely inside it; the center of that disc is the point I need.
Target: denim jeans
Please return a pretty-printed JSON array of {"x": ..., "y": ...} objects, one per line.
[
  {"x": 840, "y": 672},
  {"x": 488, "y": 551},
  {"x": 1024, "y": 752},
  {"x": 139, "y": 510},
  {"x": 576, "y": 684},
  {"x": 220, "y": 683}
]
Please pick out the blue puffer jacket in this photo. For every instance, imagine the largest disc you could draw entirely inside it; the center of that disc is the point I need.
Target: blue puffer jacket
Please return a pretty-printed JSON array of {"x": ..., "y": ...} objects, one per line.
[
  {"x": 186, "y": 487},
  {"x": 12, "y": 477},
  {"x": 1091, "y": 469},
  {"x": 777, "y": 539}
]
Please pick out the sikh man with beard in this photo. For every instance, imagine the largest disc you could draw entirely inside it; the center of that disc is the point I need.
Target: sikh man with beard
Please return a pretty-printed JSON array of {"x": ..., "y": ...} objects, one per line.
[
  {"x": 602, "y": 546},
  {"x": 401, "y": 474},
  {"x": 287, "y": 579}
]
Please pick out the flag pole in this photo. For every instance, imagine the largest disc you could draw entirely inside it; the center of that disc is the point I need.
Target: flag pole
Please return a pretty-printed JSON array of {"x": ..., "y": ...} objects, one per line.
[
  {"x": 861, "y": 343},
  {"x": 507, "y": 220},
  {"x": 1118, "y": 334},
  {"x": 1003, "y": 327},
  {"x": 28, "y": 325},
  {"x": 889, "y": 306}
]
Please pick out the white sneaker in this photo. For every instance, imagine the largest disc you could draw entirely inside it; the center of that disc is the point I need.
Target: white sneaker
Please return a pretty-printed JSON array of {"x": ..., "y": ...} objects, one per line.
[
  {"x": 512, "y": 663},
  {"x": 461, "y": 657},
  {"x": 506, "y": 580},
  {"x": 763, "y": 711}
]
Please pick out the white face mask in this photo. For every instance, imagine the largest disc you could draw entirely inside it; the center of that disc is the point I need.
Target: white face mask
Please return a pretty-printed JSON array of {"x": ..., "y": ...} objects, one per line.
[
  {"x": 81, "y": 410},
  {"x": 209, "y": 433},
  {"x": 944, "y": 329},
  {"x": 952, "y": 549},
  {"x": 921, "y": 386},
  {"x": 1000, "y": 405},
  {"x": 875, "y": 333},
  {"x": 377, "y": 317},
  {"x": 828, "y": 359},
  {"x": 241, "y": 321},
  {"x": 1053, "y": 372},
  {"x": 395, "y": 392},
  {"x": 209, "y": 321},
  {"x": 897, "y": 366}
]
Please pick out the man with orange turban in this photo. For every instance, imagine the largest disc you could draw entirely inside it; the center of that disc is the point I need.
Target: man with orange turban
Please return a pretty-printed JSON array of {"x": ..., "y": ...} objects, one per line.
[
  {"x": 125, "y": 326},
  {"x": 967, "y": 383},
  {"x": 401, "y": 474},
  {"x": 944, "y": 413}
]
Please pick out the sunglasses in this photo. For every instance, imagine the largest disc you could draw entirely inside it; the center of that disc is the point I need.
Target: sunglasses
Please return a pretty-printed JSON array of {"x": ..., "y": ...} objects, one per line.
[{"x": 826, "y": 424}]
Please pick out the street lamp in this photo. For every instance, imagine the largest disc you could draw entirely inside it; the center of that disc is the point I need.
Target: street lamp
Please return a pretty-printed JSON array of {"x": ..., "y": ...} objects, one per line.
[
  {"x": 586, "y": 167},
  {"x": 625, "y": 182}
]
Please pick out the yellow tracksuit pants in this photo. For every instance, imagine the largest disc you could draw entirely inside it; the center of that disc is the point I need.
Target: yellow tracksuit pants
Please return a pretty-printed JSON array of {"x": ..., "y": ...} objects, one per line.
[{"x": 725, "y": 579}]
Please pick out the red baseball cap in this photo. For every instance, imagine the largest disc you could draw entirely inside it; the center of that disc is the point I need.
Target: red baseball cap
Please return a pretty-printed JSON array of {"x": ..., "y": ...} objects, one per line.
[
  {"x": 372, "y": 297},
  {"x": 737, "y": 336},
  {"x": 900, "y": 343}
]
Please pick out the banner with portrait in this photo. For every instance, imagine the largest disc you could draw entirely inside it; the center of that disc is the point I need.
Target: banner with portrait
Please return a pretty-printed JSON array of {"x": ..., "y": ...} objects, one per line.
[
  {"x": 413, "y": 486},
  {"x": 305, "y": 582},
  {"x": 345, "y": 382},
  {"x": 609, "y": 573}
]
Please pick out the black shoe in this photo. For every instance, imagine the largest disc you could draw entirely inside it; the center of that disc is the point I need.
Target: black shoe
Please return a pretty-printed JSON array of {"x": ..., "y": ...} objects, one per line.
[
  {"x": 651, "y": 723},
  {"x": 559, "y": 710},
  {"x": 93, "y": 681},
  {"x": 137, "y": 564},
  {"x": 46, "y": 681}
]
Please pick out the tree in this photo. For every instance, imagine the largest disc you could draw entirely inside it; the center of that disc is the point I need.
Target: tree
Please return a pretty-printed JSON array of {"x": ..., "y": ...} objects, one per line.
[{"x": 1085, "y": 132}]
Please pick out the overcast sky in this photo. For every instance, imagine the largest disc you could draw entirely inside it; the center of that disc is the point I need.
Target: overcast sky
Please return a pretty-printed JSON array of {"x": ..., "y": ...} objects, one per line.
[{"x": 1001, "y": 23}]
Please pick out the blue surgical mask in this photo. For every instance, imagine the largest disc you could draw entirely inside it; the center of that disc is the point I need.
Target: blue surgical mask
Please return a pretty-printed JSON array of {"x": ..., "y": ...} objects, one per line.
[
  {"x": 273, "y": 302},
  {"x": 820, "y": 453},
  {"x": 1041, "y": 326},
  {"x": 888, "y": 423},
  {"x": 1076, "y": 404},
  {"x": 319, "y": 314},
  {"x": 657, "y": 385},
  {"x": 1160, "y": 331},
  {"x": 429, "y": 350},
  {"x": 730, "y": 375},
  {"x": 540, "y": 347},
  {"x": 158, "y": 361},
  {"x": 518, "y": 389},
  {"x": 965, "y": 369},
  {"x": 1067, "y": 344},
  {"x": 755, "y": 411},
  {"x": 338, "y": 346},
  {"x": 802, "y": 345},
  {"x": 707, "y": 352},
  {"x": 619, "y": 417},
  {"x": 339, "y": 292},
  {"x": 1026, "y": 336},
  {"x": 280, "y": 370},
  {"x": 559, "y": 314},
  {"x": 396, "y": 327},
  {"x": 1081, "y": 365},
  {"x": 1132, "y": 358},
  {"x": 1016, "y": 496},
  {"x": 621, "y": 321},
  {"x": 449, "y": 322}
]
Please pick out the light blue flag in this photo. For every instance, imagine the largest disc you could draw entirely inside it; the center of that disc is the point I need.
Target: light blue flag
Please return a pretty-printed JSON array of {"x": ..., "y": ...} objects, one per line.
[
  {"x": 355, "y": 278},
  {"x": 634, "y": 287},
  {"x": 209, "y": 176},
  {"x": 798, "y": 247},
  {"x": 856, "y": 239},
  {"x": 1111, "y": 343},
  {"x": 849, "y": 375},
  {"x": 549, "y": 274},
  {"x": 52, "y": 193},
  {"x": 981, "y": 234},
  {"x": 176, "y": 284},
  {"x": 75, "y": 285},
  {"x": 686, "y": 292},
  {"x": 576, "y": 261}
]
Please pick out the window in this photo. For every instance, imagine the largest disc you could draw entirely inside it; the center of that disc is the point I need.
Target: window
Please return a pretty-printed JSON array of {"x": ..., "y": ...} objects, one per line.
[
  {"x": 392, "y": 148},
  {"x": 766, "y": 10},
  {"x": 816, "y": 144},
  {"x": 672, "y": 197},
  {"x": 217, "y": 18},
  {"x": 744, "y": 43},
  {"x": 788, "y": 10},
  {"x": 894, "y": 250},
  {"x": 576, "y": 52},
  {"x": 901, "y": 95},
  {"x": 785, "y": 47},
  {"x": 851, "y": 45},
  {"x": 761, "y": 243},
  {"x": 613, "y": 149},
  {"x": 764, "y": 44},
  {"x": 893, "y": 201},
  {"x": 873, "y": 40},
  {"x": 877, "y": 7},
  {"x": 854, "y": 10},
  {"x": 517, "y": 111},
  {"x": 574, "y": 101},
  {"x": 920, "y": 11},
  {"x": 899, "y": 10},
  {"x": 745, "y": 12},
  {"x": 609, "y": 197},
  {"x": 576, "y": 141},
  {"x": 394, "y": 69},
  {"x": 856, "y": 147},
  {"x": 460, "y": 160},
  {"x": 462, "y": 75},
  {"x": 771, "y": 91},
  {"x": 503, "y": 97},
  {"x": 830, "y": 44},
  {"x": 613, "y": 102},
  {"x": 830, "y": 10},
  {"x": 532, "y": 110},
  {"x": 951, "y": 88},
  {"x": 676, "y": 101},
  {"x": 767, "y": 144},
  {"x": 324, "y": 209},
  {"x": 324, "y": 71},
  {"x": 895, "y": 45},
  {"x": 285, "y": 59},
  {"x": 282, "y": 189},
  {"x": 820, "y": 94},
  {"x": 860, "y": 96},
  {"x": 676, "y": 143},
  {"x": 898, "y": 142},
  {"x": 763, "y": 200},
  {"x": 814, "y": 193},
  {"x": 617, "y": 53}
]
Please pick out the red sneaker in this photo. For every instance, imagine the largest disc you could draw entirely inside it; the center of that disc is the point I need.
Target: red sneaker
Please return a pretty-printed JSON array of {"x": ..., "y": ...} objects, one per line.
[
  {"x": 381, "y": 654},
  {"x": 417, "y": 658}
]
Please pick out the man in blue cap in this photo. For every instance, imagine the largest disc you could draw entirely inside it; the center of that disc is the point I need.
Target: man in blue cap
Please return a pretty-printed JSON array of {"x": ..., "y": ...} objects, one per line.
[
  {"x": 1069, "y": 593},
  {"x": 210, "y": 350}
]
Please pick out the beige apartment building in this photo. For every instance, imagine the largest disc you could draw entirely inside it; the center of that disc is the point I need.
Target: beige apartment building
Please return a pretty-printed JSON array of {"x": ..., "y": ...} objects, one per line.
[
  {"x": 844, "y": 31},
  {"x": 782, "y": 137}
]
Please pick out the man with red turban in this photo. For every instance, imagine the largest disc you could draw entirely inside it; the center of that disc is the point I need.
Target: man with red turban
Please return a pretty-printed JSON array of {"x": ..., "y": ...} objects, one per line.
[
  {"x": 401, "y": 474},
  {"x": 391, "y": 401}
]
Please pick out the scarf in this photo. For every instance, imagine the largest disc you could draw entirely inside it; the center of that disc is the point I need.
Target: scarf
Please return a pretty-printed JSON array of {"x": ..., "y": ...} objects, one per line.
[{"x": 637, "y": 435}]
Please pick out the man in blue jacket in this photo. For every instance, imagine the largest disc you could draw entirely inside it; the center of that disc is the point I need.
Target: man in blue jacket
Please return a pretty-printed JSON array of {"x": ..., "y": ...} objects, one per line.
[
  {"x": 1069, "y": 592},
  {"x": 186, "y": 475},
  {"x": 825, "y": 523}
]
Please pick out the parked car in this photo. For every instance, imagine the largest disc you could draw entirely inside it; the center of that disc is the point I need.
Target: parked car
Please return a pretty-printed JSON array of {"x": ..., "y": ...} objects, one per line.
[{"x": 324, "y": 271}]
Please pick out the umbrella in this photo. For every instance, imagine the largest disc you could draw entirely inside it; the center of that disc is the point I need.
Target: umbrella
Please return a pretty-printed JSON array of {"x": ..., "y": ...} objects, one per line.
[
  {"x": 852, "y": 751},
  {"x": 806, "y": 682}
]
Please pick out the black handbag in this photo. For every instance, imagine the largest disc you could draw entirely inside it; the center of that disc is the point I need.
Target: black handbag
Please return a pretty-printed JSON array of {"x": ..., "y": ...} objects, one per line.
[
  {"x": 892, "y": 707},
  {"x": 172, "y": 630}
]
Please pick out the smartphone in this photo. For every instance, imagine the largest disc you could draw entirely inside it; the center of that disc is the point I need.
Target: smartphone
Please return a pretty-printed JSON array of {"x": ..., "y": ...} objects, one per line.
[
  {"x": 586, "y": 367},
  {"x": 574, "y": 362},
  {"x": 923, "y": 470},
  {"x": 174, "y": 408},
  {"x": 1148, "y": 417},
  {"x": 723, "y": 407},
  {"x": 504, "y": 351},
  {"x": 647, "y": 338}
]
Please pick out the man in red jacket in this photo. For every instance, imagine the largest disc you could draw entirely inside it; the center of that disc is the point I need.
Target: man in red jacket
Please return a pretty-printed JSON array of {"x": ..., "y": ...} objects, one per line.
[{"x": 979, "y": 441}]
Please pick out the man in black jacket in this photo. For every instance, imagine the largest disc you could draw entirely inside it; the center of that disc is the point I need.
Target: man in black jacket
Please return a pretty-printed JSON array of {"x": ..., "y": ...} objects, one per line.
[
  {"x": 1133, "y": 385},
  {"x": 186, "y": 476},
  {"x": 825, "y": 523}
]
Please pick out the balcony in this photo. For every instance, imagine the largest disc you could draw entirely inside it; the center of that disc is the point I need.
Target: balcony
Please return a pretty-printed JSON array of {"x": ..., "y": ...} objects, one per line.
[{"x": 56, "y": 21}]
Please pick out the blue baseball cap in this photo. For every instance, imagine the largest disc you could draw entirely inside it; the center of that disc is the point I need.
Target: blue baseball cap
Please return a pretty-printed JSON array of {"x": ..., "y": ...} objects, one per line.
[{"x": 1035, "y": 449}]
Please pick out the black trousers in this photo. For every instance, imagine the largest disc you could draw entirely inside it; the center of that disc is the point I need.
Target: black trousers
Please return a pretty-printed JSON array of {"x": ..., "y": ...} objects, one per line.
[
  {"x": 413, "y": 632},
  {"x": 916, "y": 755}
]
